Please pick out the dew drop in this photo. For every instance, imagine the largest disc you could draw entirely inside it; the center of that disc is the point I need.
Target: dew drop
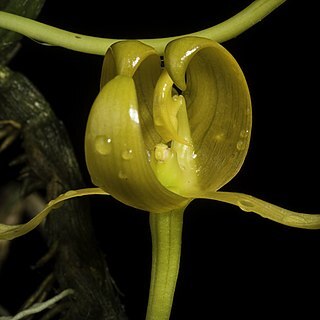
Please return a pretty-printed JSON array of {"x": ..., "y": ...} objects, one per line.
[
  {"x": 244, "y": 133},
  {"x": 122, "y": 175},
  {"x": 103, "y": 145},
  {"x": 70, "y": 193},
  {"x": 51, "y": 203},
  {"x": 241, "y": 145},
  {"x": 245, "y": 205},
  {"x": 294, "y": 220},
  {"x": 127, "y": 154},
  {"x": 219, "y": 137}
]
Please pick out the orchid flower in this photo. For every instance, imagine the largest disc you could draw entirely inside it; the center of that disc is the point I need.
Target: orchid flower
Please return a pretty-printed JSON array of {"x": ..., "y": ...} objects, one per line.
[
  {"x": 162, "y": 132},
  {"x": 171, "y": 124},
  {"x": 159, "y": 137}
]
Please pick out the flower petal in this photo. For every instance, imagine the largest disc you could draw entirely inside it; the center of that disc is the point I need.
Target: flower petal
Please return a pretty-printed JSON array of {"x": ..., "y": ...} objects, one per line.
[
  {"x": 116, "y": 155},
  {"x": 9, "y": 232},
  {"x": 218, "y": 104},
  {"x": 135, "y": 59},
  {"x": 125, "y": 57},
  {"x": 267, "y": 210}
]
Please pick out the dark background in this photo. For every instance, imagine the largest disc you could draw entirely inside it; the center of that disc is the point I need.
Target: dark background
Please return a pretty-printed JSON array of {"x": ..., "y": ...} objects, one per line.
[{"x": 233, "y": 263}]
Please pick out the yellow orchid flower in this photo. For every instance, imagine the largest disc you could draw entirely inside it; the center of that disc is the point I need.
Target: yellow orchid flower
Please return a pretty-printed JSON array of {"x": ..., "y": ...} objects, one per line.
[
  {"x": 157, "y": 138},
  {"x": 159, "y": 149},
  {"x": 163, "y": 133}
]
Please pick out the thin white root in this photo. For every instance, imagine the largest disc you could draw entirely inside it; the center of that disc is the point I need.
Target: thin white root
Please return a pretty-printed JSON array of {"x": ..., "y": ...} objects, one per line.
[{"x": 38, "y": 307}]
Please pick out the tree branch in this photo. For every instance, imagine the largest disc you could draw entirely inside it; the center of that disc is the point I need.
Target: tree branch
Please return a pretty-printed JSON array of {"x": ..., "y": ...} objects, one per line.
[{"x": 52, "y": 167}]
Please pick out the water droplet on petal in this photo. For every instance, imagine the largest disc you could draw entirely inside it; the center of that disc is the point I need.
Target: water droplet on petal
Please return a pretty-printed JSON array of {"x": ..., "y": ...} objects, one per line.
[
  {"x": 219, "y": 137},
  {"x": 103, "y": 145},
  {"x": 241, "y": 145},
  {"x": 246, "y": 205},
  {"x": 51, "y": 203},
  {"x": 71, "y": 193},
  {"x": 294, "y": 220},
  {"x": 244, "y": 133},
  {"x": 127, "y": 154},
  {"x": 122, "y": 175}
]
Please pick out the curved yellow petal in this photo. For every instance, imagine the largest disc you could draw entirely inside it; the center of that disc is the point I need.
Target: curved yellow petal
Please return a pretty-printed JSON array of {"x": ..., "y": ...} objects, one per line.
[
  {"x": 135, "y": 59},
  {"x": 116, "y": 155},
  {"x": 267, "y": 210},
  {"x": 218, "y": 105},
  {"x": 9, "y": 232},
  {"x": 124, "y": 58}
]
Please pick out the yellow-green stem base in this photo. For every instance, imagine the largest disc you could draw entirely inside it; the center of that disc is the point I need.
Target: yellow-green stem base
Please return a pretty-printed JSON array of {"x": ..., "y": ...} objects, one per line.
[{"x": 166, "y": 232}]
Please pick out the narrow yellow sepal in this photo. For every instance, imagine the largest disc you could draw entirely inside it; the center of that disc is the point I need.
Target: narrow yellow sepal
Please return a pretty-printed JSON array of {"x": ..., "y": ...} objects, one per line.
[
  {"x": 9, "y": 232},
  {"x": 265, "y": 209}
]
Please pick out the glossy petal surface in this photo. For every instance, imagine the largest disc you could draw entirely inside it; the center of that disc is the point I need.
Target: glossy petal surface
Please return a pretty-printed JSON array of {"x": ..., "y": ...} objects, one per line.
[
  {"x": 156, "y": 133},
  {"x": 9, "y": 232},
  {"x": 218, "y": 105},
  {"x": 116, "y": 155}
]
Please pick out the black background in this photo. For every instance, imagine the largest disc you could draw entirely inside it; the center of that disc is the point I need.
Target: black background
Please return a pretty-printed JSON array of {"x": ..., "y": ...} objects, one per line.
[{"x": 233, "y": 264}]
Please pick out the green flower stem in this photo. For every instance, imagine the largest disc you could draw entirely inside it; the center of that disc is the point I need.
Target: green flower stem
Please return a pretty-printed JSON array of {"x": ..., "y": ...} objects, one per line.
[
  {"x": 221, "y": 32},
  {"x": 166, "y": 231}
]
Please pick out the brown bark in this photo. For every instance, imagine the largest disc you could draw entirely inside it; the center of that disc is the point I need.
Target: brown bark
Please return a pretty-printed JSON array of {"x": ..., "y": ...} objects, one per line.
[{"x": 51, "y": 168}]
